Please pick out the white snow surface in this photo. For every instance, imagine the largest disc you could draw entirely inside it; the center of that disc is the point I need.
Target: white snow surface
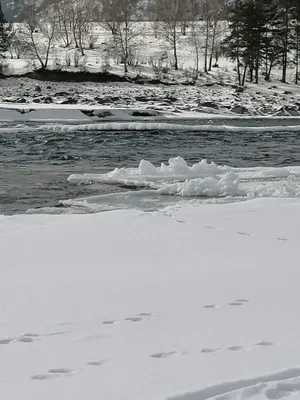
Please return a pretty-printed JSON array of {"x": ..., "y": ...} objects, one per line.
[{"x": 191, "y": 303}]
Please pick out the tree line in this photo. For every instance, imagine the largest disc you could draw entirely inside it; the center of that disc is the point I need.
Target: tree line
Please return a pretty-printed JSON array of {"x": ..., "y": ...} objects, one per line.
[{"x": 257, "y": 35}]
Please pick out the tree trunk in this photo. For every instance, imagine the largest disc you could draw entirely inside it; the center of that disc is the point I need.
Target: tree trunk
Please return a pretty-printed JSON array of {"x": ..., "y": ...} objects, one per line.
[
  {"x": 244, "y": 75},
  {"x": 175, "y": 51},
  {"x": 212, "y": 45},
  {"x": 239, "y": 71},
  {"x": 206, "y": 47},
  {"x": 297, "y": 56}
]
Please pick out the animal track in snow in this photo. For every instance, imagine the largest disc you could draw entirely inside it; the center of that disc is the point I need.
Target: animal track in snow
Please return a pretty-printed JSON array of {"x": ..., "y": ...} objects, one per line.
[
  {"x": 54, "y": 373},
  {"x": 244, "y": 234},
  {"x": 265, "y": 343},
  {"x": 210, "y": 306},
  {"x": 282, "y": 239},
  {"x": 134, "y": 319},
  {"x": 26, "y": 339},
  {"x": 43, "y": 377},
  {"x": 237, "y": 303},
  {"x": 109, "y": 322},
  {"x": 6, "y": 341},
  {"x": 56, "y": 333},
  {"x": 97, "y": 363},
  {"x": 139, "y": 317},
  {"x": 209, "y": 350},
  {"x": 60, "y": 371},
  {"x": 167, "y": 354},
  {"x": 235, "y": 348}
]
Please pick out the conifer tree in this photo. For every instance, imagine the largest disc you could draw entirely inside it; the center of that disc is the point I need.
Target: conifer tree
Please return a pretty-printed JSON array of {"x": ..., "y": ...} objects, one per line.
[{"x": 4, "y": 36}]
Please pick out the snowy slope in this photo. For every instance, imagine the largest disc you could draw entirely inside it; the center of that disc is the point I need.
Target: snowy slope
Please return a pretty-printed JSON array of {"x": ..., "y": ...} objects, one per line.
[{"x": 191, "y": 303}]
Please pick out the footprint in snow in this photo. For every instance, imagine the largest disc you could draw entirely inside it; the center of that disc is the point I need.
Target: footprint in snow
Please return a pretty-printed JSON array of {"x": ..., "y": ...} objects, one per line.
[
  {"x": 139, "y": 317},
  {"x": 235, "y": 348},
  {"x": 265, "y": 343},
  {"x": 98, "y": 363},
  {"x": 210, "y": 306},
  {"x": 167, "y": 354},
  {"x": 282, "y": 239},
  {"x": 109, "y": 322},
  {"x": 7, "y": 340},
  {"x": 239, "y": 302},
  {"x": 54, "y": 373},
  {"x": 209, "y": 350},
  {"x": 29, "y": 338}
]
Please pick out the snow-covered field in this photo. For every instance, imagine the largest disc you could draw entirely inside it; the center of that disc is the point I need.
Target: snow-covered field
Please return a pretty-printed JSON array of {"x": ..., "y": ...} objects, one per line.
[{"x": 191, "y": 303}]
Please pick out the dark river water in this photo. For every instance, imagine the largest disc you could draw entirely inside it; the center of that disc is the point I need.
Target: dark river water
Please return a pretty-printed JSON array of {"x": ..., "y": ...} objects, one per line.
[{"x": 34, "y": 166}]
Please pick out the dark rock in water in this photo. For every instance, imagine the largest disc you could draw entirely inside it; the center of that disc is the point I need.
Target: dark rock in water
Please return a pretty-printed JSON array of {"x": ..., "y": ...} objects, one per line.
[
  {"x": 144, "y": 114},
  {"x": 36, "y": 100},
  {"x": 21, "y": 100},
  {"x": 287, "y": 92},
  {"x": 239, "y": 110},
  {"x": 209, "y": 104},
  {"x": 38, "y": 89},
  {"x": 70, "y": 100},
  {"x": 49, "y": 87}
]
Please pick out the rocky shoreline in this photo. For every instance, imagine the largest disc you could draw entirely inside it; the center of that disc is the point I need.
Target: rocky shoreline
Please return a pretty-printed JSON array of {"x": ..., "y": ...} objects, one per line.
[{"x": 213, "y": 98}]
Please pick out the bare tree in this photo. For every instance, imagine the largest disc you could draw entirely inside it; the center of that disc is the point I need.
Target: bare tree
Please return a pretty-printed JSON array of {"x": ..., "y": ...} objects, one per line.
[
  {"x": 207, "y": 28},
  {"x": 62, "y": 11},
  {"x": 123, "y": 16},
  {"x": 170, "y": 14},
  {"x": 18, "y": 45},
  {"x": 46, "y": 25},
  {"x": 80, "y": 16},
  {"x": 194, "y": 16}
]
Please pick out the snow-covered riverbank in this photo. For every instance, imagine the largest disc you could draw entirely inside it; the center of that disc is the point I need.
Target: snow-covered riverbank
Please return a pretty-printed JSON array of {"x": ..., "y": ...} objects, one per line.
[
  {"x": 211, "y": 98},
  {"x": 135, "y": 305}
]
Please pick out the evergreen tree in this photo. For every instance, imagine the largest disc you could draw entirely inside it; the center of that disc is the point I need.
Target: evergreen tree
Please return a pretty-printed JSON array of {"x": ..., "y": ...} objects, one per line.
[
  {"x": 234, "y": 46},
  {"x": 4, "y": 36},
  {"x": 270, "y": 50},
  {"x": 296, "y": 39},
  {"x": 284, "y": 32}
]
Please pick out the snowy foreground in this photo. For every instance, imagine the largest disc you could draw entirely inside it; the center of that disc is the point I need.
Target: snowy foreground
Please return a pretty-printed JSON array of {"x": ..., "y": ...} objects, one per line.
[{"x": 192, "y": 303}]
